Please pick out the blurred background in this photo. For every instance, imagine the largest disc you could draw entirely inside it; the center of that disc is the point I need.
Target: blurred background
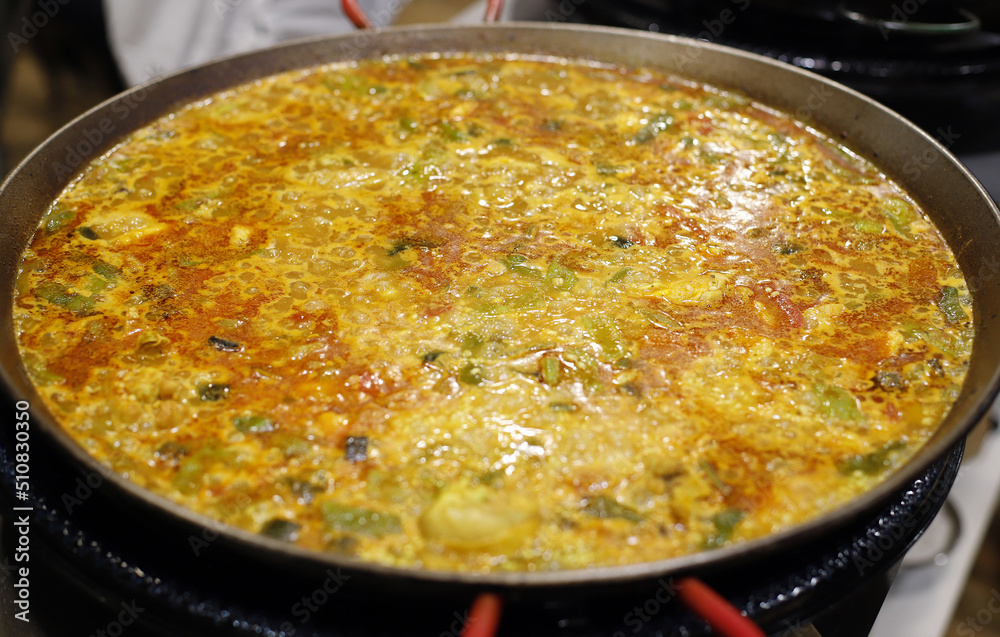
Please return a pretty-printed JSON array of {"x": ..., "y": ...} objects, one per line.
[{"x": 938, "y": 62}]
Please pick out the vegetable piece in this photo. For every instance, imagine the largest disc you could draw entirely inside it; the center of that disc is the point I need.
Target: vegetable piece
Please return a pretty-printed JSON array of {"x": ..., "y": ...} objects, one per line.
[
  {"x": 279, "y": 529},
  {"x": 605, "y": 333},
  {"x": 869, "y": 226},
  {"x": 56, "y": 220},
  {"x": 253, "y": 424},
  {"x": 560, "y": 277},
  {"x": 563, "y": 407},
  {"x": 900, "y": 214},
  {"x": 605, "y": 507},
  {"x": 432, "y": 356},
  {"x": 80, "y": 304},
  {"x": 871, "y": 463},
  {"x": 621, "y": 242},
  {"x": 472, "y": 342},
  {"x": 618, "y": 277},
  {"x": 551, "y": 368},
  {"x": 212, "y": 392},
  {"x": 360, "y": 520},
  {"x": 88, "y": 233},
  {"x": 527, "y": 300},
  {"x": 838, "y": 403},
  {"x": 725, "y": 523},
  {"x": 655, "y": 126},
  {"x": 59, "y": 294},
  {"x": 950, "y": 305},
  {"x": 889, "y": 381},
  {"x": 451, "y": 132},
  {"x": 788, "y": 248},
  {"x": 151, "y": 346},
  {"x": 356, "y": 449},
  {"x": 223, "y": 345},
  {"x": 661, "y": 320},
  {"x": 471, "y": 374},
  {"x": 707, "y": 467},
  {"x": 480, "y": 518},
  {"x": 408, "y": 124},
  {"x": 515, "y": 263}
]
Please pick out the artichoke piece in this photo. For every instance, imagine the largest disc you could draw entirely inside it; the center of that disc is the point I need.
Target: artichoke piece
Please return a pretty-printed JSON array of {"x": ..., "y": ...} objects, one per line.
[{"x": 480, "y": 518}]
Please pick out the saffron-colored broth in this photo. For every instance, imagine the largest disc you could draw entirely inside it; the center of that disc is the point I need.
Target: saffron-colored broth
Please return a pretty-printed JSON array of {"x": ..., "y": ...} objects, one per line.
[{"x": 488, "y": 313}]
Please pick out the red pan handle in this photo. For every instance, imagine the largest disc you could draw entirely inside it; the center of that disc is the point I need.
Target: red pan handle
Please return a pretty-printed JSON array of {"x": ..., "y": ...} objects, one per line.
[
  {"x": 484, "y": 616},
  {"x": 725, "y": 620},
  {"x": 722, "y": 616},
  {"x": 360, "y": 18}
]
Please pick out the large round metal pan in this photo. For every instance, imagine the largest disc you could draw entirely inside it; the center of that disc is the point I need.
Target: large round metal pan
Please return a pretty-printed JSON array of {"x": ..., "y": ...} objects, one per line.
[{"x": 958, "y": 205}]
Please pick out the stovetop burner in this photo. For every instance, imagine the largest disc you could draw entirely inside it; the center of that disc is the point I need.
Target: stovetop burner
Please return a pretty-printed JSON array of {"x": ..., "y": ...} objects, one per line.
[
  {"x": 937, "y": 63},
  {"x": 95, "y": 568}
]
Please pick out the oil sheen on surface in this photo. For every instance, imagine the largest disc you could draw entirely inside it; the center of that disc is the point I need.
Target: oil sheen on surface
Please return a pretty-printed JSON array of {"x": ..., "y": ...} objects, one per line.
[{"x": 492, "y": 313}]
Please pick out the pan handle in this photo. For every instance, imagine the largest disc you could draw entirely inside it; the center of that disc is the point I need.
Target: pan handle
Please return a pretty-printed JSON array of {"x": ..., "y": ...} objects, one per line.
[{"x": 360, "y": 18}]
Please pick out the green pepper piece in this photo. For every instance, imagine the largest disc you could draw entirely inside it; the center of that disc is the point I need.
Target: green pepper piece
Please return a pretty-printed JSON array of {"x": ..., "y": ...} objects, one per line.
[
  {"x": 618, "y": 277},
  {"x": 869, "y": 225},
  {"x": 471, "y": 374},
  {"x": 900, "y": 214},
  {"x": 710, "y": 471},
  {"x": 871, "y": 463},
  {"x": 725, "y": 523},
  {"x": 655, "y": 126},
  {"x": 564, "y": 407},
  {"x": 452, "y": 132},
  {"x": 560, "y": 277},
  {"x": 106, "y": 270},
  {"x": 604, "y": 332},
  {"x": 950, "y": 305},
  {"x": 279, "y": 529},
  {"x": 604, "y": 507},
  {"x": 253, "y": 424},
  {"x": 551, "y": 368},
  {"x": 515, "y": 263},
  {"x": 212, "y": 392},
  {"x": 838, "y": 403},
  {"x": 360, "y": 520},
  {"x": 56, "y": 220}
]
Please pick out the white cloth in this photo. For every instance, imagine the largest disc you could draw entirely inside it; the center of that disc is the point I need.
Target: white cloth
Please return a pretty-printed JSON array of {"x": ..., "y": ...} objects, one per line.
[{"x": 153, "y": 37}]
